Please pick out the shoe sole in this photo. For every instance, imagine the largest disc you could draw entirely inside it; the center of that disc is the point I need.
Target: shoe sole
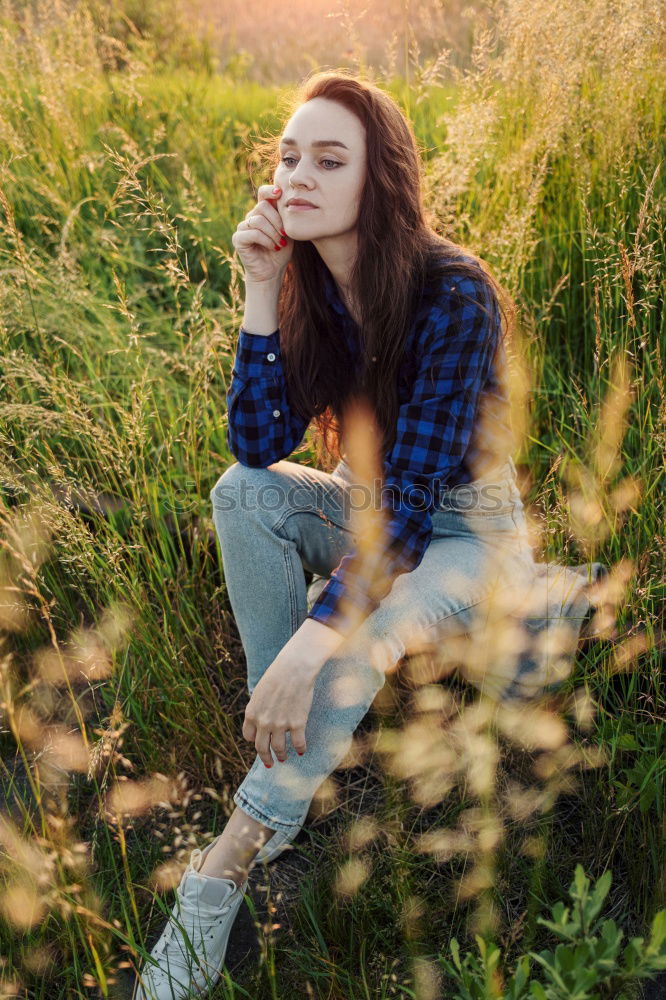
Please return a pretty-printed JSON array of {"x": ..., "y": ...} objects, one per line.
[{"x": 193, "y": 990}]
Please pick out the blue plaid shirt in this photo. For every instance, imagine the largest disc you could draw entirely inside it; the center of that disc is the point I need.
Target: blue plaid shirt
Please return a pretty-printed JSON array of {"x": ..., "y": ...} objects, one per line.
[{"x": 448, "y": 370}]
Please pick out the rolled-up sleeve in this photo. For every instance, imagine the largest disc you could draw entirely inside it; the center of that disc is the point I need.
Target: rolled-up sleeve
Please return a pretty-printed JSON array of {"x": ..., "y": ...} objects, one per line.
[
  {"x": 262, "y": 426},
  {"x": 434, "y": 429}
]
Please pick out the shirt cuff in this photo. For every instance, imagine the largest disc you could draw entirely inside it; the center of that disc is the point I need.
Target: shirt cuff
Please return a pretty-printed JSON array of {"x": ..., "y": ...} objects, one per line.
[
  {"x": 334, "y": 607},
  {"x": 343, "y": 628},
  {"x": 258, "y": 356}
]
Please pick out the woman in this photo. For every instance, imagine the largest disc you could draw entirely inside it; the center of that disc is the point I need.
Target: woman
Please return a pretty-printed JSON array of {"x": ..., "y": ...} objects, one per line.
[{"x": 373, "y": 306}]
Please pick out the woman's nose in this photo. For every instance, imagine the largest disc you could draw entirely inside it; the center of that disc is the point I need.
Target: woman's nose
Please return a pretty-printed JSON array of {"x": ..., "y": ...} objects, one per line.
[{"x": 301, "y": 174}]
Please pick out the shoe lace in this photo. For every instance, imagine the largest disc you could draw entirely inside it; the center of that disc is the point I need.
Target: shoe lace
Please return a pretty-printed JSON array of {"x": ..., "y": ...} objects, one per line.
[{"x": 188, "y": 908}]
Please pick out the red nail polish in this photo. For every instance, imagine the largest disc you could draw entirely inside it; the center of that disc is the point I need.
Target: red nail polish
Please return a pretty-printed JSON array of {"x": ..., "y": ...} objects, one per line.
[
  {"x": 283, "y": 232},
  {"x": 267, "y": 765},
  {"x": 300, "y": 753},
  {"x": 283, "y": 242}
]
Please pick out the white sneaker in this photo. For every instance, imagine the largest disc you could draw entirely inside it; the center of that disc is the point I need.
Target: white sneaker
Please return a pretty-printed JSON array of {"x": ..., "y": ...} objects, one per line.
[
  {"x": 205, "y": 909},
  {"x": 279, "y": 842}
]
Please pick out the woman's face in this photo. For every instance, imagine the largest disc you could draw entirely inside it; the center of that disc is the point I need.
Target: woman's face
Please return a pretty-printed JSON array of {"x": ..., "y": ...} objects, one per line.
[{"x": 323, "y": 161}]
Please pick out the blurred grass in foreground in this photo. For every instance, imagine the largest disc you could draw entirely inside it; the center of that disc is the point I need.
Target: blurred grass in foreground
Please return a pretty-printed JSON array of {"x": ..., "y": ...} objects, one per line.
[{"x": 121, "y": 671}]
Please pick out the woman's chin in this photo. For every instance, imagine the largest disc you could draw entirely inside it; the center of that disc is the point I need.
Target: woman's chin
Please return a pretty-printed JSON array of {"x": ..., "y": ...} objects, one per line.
[{"x": 299, "y": 238}]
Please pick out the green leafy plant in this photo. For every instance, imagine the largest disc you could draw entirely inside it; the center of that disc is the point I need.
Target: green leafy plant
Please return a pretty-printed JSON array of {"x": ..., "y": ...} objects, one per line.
[
  {"x": 589, "y": 963},
  {"x": 641, "y": 782}
]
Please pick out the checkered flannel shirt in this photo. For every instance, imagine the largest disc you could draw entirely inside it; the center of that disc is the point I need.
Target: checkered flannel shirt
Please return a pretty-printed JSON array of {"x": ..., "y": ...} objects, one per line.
[{"x": 453, "y": 347}]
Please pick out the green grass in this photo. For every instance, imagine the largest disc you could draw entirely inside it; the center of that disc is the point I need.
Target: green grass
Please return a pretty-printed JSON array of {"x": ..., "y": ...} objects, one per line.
[{"x": 120, "y": 301}]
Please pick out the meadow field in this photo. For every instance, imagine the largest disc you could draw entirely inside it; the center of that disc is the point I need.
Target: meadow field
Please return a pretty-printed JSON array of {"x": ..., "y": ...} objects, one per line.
[{"x": 123, "y": 176}]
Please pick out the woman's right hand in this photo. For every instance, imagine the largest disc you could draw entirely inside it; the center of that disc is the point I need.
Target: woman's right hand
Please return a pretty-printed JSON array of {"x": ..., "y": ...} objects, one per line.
[{"x": 257, "y": 241}]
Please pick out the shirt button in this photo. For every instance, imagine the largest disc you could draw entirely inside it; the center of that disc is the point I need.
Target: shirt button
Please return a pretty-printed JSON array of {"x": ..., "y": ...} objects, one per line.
[
  {"x": 276, "y": 413},
  {"x": 271, "y": 357}
]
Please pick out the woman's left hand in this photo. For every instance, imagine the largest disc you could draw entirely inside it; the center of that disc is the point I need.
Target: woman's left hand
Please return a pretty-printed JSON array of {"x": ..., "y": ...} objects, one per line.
[{"x": 282, "y": 699}]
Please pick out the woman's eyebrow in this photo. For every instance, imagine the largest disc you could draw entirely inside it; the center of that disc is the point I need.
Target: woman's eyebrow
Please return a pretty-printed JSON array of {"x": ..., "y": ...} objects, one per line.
[{"x": 318, "y": 142}]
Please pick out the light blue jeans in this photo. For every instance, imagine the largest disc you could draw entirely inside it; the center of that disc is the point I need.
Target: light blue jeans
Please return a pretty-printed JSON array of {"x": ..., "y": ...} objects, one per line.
[{"x": 274, "y": 523}]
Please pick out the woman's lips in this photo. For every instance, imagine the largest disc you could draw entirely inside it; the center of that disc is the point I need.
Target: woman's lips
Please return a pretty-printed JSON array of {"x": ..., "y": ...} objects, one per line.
[{"x": 301, "y": 208}]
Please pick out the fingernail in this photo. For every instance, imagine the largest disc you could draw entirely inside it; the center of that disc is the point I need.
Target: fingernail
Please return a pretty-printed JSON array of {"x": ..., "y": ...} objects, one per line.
[
  {"x": 300, "y": 753},
  {"x": 267, "y": 765},
  {"x": 283, "y": 242},
  {"x": 283, "y": 232},
  {"x": 277, "y": 247},
  {"x": 276, "y": 190}
]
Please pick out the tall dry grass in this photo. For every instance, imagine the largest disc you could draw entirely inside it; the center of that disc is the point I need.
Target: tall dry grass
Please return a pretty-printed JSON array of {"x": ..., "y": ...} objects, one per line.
[
  {"x": 395, "y": 38},
  {"x": 121, "y": 671}
]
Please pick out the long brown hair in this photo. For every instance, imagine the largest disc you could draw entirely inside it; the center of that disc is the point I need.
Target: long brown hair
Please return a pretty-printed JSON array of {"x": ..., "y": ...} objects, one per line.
[{"x": 399, "y": 257}]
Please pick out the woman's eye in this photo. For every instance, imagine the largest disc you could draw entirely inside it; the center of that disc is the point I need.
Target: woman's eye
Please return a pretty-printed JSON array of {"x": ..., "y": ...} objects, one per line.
[{"x": 334, "y": 162}]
